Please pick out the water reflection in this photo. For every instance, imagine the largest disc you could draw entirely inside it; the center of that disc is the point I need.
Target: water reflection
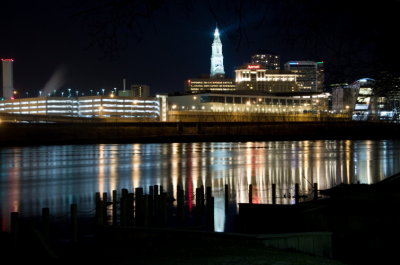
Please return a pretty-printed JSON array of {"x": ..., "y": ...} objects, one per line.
[{"x": 55, "y": 176}]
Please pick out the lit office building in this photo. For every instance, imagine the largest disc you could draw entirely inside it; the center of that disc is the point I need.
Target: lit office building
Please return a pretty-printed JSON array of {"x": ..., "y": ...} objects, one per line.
[
  {"x": 344, "y": 98},
  {"x": 88, "y": 107},
  {"x": 310, "y": 75},
  {"x": 267, "y": 61},
  {"x": 230, "y": 106},
  {"x": 254, "y": 77},
  {"x": 206, "y": 85}
]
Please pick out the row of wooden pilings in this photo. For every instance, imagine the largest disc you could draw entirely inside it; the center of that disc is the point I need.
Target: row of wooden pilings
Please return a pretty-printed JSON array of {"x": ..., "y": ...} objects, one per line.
[
  {"x": 143, "y": 210},
  {"x": 153, "y": 209}
]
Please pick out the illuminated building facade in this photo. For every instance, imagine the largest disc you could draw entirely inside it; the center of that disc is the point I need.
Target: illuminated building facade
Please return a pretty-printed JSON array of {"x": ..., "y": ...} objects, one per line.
[
  {"x": 267, "y": 61},
  {"x": 206, "y": 85},
  {"x": 88, "y": 107},
  {"x": 231, "y": 104},
  {"x": 8, "y": 84},
  {"x": 254, "y": 77},
  {"x": 310, "y": 75},
  {"x": 344, "y": 98},
  {"x": 217, "y": 59}
]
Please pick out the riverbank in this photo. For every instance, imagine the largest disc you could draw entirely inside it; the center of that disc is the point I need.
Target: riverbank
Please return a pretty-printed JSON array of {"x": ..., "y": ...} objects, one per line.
[{"x": 19, "y": 134}]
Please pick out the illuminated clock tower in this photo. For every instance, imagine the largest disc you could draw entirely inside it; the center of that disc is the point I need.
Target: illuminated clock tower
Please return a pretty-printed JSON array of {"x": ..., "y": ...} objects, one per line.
[{"x": 217, "y": 59}]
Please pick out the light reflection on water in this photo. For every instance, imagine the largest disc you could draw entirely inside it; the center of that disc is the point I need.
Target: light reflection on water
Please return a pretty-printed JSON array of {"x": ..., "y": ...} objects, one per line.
[{"x": 55, "y": 176}]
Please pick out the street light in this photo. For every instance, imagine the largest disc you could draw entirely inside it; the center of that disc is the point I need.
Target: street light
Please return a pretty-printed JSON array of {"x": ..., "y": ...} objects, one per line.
[
  {"x": 103, "y": 90},
  {"x": 69, "y": 92},
  {"x": 40, "y": 93},
  {"x": 91, "y": 92}
]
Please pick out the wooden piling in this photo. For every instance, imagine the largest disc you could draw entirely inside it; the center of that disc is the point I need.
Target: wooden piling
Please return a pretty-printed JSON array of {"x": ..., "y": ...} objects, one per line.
[
  {"x": 163, "y": 215},
  {"x": 97, "y": 197},
  {"x": 114, "y": 208},
  {"x": 105, "y": 197},
  {"x": 180, "y": 203},
  {"x": 210, "y": 214},
  {"x": 123, "y": 208},
  {"x": 315, "y": 189},
  {"x": 151, "y": 203},
  {"x": 198, "y": 210},
  {"x": 250, "y": 193},
  {"x": 139, "y": 211},
  {"x": 99, "y": 211},
  {"x": 273, "y": 193},
  {"x": 202, "y": 200},
  {"x": 74, "y": 223},
  {"x": 296, "y": 193},
  {"x": 146, "y": 210},
  {"x": 130, "y": 209},
  {"x": 226, "y": 198},
  {"x": 46, "y": 224},
  {"x": 14, "y": 228},
  {"x": 104, "y": 207}
]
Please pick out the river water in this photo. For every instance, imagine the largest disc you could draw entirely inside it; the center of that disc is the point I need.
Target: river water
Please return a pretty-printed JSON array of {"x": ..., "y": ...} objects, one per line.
[{"x": 56, "y": 176}]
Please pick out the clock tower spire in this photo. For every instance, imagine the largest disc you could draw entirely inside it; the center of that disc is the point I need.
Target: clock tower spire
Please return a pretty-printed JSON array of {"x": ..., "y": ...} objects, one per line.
[{"x": 217, "y": 59}]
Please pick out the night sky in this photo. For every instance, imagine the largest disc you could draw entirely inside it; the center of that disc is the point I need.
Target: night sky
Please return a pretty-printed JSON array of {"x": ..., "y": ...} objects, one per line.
[{"x": 162, "y": 43}]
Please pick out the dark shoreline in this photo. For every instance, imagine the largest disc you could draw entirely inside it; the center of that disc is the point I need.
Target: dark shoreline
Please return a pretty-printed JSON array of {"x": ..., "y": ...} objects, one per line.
[{"x": 28, "y": 134}]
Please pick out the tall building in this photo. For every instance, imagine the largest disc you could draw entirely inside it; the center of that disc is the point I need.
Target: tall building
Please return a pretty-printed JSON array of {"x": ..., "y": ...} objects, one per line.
[
  {"x": 344, "y": 98},
  {"x": 268, "y": 61},
  {"x": 216, "y": 82},
  {"x": 310, "y": 75},
  {"x": 8, "y": 85},
  {"x": 254, "y": 77},
  {"x": 217, "y": 59}
]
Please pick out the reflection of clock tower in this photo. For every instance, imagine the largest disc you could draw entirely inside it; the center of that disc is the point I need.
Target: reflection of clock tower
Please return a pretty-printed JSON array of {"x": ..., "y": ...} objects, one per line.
[{"x": 217, "y": 59}]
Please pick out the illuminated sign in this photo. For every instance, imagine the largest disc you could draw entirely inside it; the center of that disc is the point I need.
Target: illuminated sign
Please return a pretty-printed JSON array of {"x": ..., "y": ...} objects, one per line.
[
  {"x": 253, "y": 66},
  {"x": 7, "y": 60}
]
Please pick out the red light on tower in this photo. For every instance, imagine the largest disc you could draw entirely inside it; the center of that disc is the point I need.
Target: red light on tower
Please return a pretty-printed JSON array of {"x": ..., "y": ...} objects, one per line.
[{"x": 7, "y": 60}]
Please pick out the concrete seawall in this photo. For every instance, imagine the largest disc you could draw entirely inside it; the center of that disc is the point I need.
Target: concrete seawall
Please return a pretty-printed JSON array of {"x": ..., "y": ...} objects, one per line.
[{"x": 12, "y": 134}]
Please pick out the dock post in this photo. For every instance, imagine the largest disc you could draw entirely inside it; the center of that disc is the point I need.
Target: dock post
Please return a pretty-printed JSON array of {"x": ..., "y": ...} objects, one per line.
[
  {"x": 139, "y": 204},
  {"x": 251, "y": 193},
  {"x": 226, "y": 199},
  {"x": 114, "y": 208},
  {"x": 273, "y": 193},
  {"x": 130, "y": 209},
  {"x": 210, "y": 213},
  {"x": 104, "y": 207},
  {"x": 315, "y": 188},
  {"x": 180, "y": 203}
]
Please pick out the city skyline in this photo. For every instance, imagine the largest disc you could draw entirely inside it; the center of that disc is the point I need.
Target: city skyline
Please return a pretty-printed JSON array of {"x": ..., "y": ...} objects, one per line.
[{"x": 49, "y": 44}]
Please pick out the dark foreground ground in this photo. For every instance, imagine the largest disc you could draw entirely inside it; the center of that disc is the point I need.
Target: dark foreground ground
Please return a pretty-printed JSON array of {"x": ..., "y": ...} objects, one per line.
[{"x": 150, "y": 251}]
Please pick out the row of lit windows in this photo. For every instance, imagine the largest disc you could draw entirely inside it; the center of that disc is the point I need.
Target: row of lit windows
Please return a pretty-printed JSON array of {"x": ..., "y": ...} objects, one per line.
[{"x": 289, "y": 109}]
